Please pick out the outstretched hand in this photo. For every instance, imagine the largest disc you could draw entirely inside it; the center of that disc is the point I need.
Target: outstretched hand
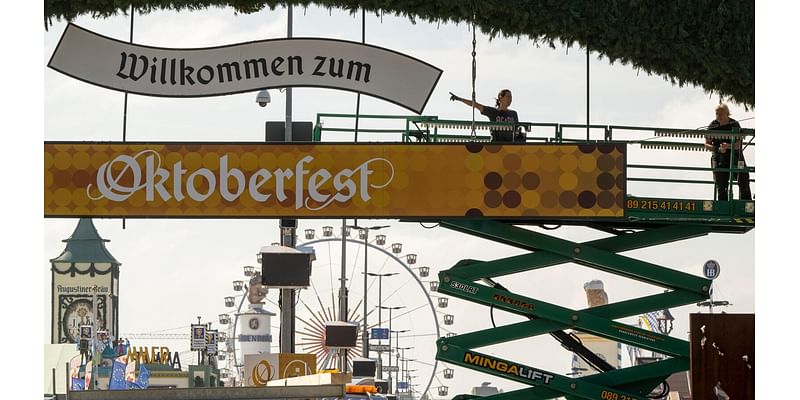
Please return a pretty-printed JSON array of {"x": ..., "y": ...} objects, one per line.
[{"x": 454, "y": 97}]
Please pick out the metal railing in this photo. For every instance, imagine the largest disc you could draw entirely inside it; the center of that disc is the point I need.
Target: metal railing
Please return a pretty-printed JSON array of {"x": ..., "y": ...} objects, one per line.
[{"x": 432, "y": 129}]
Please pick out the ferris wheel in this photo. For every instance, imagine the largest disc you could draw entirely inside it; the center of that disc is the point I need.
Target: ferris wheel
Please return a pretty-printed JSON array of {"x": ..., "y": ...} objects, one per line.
[{"x": 404, "y": 313}]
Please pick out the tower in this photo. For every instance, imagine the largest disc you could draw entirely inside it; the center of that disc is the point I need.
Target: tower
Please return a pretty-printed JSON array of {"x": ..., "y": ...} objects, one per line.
[{"x": 85, "y": 286}]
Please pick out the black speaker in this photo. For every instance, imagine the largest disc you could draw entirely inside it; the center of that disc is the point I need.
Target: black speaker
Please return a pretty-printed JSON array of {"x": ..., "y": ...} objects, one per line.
[
  {"x": 288, "y": 223},
  {"x": 340, "y": 334},
  {"x": 285, "y": 270},
  {"x": 382, "y": 385},
  {"x": 364, "y": 367},
  {"x": 301, "y": 131}
]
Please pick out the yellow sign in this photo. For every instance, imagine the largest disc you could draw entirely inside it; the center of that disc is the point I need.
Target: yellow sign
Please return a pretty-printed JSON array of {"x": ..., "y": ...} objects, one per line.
[{"x": 333, "y": 180}]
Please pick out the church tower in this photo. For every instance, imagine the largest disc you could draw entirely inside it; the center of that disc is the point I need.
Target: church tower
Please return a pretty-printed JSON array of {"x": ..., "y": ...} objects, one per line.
[{"x": 85, "y": 286}]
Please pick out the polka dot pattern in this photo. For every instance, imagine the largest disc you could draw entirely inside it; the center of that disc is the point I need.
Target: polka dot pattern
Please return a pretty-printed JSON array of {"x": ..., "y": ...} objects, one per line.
[{"x": 473, "y": 180}]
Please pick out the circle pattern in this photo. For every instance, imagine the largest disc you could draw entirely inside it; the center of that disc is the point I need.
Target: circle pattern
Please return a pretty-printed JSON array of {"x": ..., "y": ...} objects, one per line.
[{"x": 473, "y": 180}]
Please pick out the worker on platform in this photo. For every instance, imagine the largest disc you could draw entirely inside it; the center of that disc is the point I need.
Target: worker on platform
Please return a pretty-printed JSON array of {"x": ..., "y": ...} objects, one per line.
[
  {"x": 723, "y": 149},
  {"x": 499, "y": 113}
]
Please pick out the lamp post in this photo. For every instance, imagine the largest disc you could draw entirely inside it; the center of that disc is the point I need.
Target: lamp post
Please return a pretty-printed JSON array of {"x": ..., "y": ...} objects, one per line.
[
  {"x": 401, "y": 352},
  {"x": 380, "y": 297},
  {"x": 380, "y": 359},
  {"x": 397, "y": 344},
  {"x": 365, "y": 230}
]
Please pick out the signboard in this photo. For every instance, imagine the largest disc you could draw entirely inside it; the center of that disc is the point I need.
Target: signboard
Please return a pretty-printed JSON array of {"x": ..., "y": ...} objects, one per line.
[
  {"x": 390, "y": 368},
  {"x": 379, "y": 333},
  {"x": 198, "y": 336},
  {"x": 380, "y": 348},
  {"x": 711, "y": 269},
  {"x": 234, "y": 180},
  {"x": 402, "y": 385},
  {"x": 245, "y": 67},
  {"x": 212, "y": 337}
]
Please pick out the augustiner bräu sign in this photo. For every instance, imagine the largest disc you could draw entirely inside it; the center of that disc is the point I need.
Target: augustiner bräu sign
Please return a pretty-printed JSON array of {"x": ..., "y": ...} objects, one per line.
[{"x": 332, "y": 180}]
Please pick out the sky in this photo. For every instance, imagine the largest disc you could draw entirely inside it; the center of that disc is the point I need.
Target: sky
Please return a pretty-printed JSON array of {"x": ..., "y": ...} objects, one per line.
[{"x": 189, "y": 264}]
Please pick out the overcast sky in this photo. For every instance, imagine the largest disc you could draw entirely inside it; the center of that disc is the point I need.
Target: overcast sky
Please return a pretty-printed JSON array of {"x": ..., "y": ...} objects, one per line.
[{"x": 175, "y": 270}]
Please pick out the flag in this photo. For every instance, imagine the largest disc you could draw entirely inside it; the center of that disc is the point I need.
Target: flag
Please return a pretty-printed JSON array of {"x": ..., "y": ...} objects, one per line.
[
  {"x": 77, "y": 384},
  {"x": 633, "y": 353},
  {"x": 75, "y": 366},
  {"x": 117, "y": 379},
  {"x": 88, "y": 376},
  {"x": 649, "y": 321},
  {"x": 130, "y": 372},
  {"x": 144, "y": 378}
]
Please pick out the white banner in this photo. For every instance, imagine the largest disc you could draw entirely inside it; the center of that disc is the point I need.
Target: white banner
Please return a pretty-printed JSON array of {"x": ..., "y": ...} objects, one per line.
[{"x": 244, "y": 67}]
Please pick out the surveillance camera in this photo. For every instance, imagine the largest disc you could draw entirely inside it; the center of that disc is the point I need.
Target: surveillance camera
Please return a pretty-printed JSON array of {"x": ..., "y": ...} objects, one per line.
[{"x": 263, "y": 98}]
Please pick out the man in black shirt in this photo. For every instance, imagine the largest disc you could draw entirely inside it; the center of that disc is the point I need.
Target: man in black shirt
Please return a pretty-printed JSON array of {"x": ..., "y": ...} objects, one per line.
[
  {"x": 721, "y": 157},
  {"x": 499, "y": 114}
]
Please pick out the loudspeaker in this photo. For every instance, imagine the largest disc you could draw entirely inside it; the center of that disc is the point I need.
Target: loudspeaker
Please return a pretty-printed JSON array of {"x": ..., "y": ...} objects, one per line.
[
  {"x": 364, "y": 367},
  {"x": 285, "y": 270},
  {"x": 288, "y": 223},
  {"x": 341, "y": 334},
  {"x": 382, "y": 385},
  {"x": 301, "y": 131}
]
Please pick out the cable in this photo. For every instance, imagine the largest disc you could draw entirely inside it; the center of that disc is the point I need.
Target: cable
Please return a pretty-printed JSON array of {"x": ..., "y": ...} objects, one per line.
[{"x": 429, "y": 227}]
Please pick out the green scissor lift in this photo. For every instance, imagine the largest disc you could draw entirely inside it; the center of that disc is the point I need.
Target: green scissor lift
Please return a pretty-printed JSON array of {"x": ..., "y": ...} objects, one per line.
[{"x": 647, "y": 222}]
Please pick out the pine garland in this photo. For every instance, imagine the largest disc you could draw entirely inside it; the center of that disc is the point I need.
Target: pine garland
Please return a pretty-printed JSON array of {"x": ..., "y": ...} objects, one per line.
[{"x": 708, "y": 43}]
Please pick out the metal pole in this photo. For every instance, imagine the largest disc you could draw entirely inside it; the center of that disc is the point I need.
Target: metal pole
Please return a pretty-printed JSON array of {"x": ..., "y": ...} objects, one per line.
[
  {"x": 390, "y": 351},
  {"x": 343, "y": 294},
  {"x": 288, "y": 137},
  {"x": 68, "y": 382},
  {"x": 364, "y": 338},
  {"x": 587, "y": 90},
  {"x": 94, "y": 336},
  {"x": 358, "y": 95},
  {"x": 288, "y": 239},
  {"x": 380, "y": 324}
]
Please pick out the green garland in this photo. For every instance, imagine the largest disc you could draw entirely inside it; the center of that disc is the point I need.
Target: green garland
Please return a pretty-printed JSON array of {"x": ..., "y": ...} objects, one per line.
[{"x": 708, "y": 43}]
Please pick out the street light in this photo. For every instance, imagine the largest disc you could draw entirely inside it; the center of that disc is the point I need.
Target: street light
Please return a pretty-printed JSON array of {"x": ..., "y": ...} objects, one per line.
[
  {"x": 380, "y": 359},
  {"x": 397, "y": 347},
  {"x": 380, "y": 297},
  {"x": 366, "y": 229}
]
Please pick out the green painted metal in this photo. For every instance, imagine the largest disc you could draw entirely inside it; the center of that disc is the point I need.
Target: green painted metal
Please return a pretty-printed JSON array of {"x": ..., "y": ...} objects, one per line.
[
  {"x": 547, "y": 384},
  {"x": 636, "y": 382}
]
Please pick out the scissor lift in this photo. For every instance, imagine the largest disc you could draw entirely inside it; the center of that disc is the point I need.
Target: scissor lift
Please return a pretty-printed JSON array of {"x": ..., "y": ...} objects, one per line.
[{"x": 647, "y": 221}]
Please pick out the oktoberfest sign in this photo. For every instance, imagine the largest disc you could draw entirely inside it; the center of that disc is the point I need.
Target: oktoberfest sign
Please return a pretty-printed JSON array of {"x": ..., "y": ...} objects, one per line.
[
  {"x": 243, "y": 67},
  {"x": 218, "y": 180}
]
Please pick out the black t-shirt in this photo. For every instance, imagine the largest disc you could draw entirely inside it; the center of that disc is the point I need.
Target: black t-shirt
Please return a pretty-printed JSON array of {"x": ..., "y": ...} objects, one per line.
[
  {"x": 496, "y": 115},
  {"x": 716, "y": 126}
]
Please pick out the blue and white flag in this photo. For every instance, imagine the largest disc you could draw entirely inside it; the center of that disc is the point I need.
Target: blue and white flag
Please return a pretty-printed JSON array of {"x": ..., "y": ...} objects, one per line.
[
  {"x": 117, "y": 379},
  {"x": 649, "y": 321}
]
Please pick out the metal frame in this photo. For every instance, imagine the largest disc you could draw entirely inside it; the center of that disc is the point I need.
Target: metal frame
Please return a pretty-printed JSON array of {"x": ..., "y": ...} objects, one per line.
[{"x": 602, "y": 254}]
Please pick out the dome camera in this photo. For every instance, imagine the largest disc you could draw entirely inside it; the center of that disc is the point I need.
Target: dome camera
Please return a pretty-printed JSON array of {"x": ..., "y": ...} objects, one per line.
[{"x": 263, "y": 98}]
